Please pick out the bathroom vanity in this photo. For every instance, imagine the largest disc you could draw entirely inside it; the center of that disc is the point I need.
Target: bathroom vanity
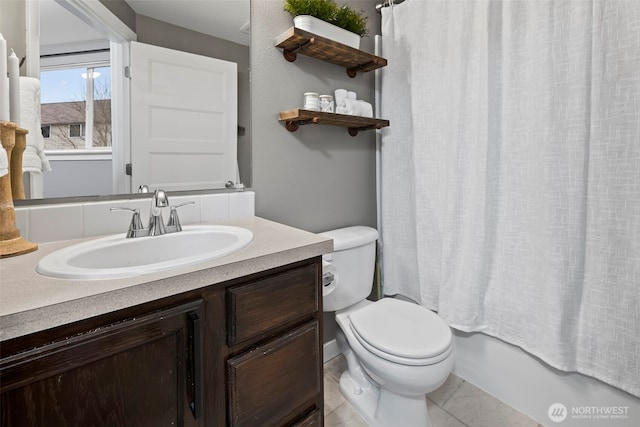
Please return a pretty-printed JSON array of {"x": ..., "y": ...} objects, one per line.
[{"x": 235, "y": 341}]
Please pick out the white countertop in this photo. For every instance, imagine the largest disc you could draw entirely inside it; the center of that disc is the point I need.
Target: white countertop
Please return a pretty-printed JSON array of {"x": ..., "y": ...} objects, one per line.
[{"x": 30, "y": 302}]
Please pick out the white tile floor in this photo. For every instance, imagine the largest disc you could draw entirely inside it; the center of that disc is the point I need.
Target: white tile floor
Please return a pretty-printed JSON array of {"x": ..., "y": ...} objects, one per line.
[{"x": 456, "y": 404}]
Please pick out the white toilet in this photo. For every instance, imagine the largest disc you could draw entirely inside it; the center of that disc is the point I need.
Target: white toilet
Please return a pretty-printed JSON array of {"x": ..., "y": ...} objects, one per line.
[{"x": 396, "y": 351}]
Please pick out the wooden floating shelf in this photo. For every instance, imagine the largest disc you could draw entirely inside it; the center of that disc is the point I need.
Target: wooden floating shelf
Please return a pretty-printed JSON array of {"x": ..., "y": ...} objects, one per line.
[
  {"x": 295, "y": 40},
  {"x": 295, "y": 118}
]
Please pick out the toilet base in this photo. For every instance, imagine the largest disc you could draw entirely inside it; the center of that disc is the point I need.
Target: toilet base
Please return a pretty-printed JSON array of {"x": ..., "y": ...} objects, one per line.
[{"x": 382, "y": 408}]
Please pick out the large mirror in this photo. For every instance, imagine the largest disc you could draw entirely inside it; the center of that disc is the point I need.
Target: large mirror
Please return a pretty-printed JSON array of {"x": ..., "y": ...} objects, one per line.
[{"x": 80, "y": 138}]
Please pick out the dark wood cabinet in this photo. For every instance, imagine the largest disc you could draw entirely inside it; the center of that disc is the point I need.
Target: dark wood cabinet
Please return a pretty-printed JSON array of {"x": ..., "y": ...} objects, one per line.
[
  {"x": 314, "y": 419},
  {"x": 247, "y": 352},
  {"x": 274, "y": 333},
  {"x": 141, "y": 371}
]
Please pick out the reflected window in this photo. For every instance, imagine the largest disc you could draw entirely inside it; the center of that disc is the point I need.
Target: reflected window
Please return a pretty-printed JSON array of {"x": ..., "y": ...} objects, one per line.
[
  {"x": 46, "y": 131},
  {"x": 76, "y": 107}
]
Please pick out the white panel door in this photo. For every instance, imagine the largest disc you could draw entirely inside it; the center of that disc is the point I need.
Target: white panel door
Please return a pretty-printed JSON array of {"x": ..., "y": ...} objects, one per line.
[{"x": 184, "y": 114}]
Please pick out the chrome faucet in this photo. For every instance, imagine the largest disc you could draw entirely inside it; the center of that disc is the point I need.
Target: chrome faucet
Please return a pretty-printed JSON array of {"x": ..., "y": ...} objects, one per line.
[
  {"x": 156, "y": 225},
  {"x": 159, "y": 200}
]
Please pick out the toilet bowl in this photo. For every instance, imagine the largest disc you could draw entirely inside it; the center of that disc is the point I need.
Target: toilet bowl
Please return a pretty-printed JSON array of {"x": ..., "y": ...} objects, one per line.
[{"x": 396, "y": 351}]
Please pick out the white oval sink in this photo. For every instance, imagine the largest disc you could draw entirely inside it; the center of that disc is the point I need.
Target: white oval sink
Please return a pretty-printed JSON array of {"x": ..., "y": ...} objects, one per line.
[{"x": 116, "y": 257}]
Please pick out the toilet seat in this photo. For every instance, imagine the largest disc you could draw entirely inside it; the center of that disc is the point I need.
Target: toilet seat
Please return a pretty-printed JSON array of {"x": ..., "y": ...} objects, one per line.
[{"x": 402, "y": 332}]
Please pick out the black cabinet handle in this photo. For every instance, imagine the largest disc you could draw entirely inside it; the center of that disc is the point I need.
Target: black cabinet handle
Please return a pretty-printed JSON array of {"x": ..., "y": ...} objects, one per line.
[{"x": 195, "y": 365}]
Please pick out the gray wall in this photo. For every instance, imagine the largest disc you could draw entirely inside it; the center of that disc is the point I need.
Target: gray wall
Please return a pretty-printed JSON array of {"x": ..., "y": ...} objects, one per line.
[
  {"x": 319, "y": 177},
  {"x": 123, "y": 11},
  {"x": 69, "y": 178}
]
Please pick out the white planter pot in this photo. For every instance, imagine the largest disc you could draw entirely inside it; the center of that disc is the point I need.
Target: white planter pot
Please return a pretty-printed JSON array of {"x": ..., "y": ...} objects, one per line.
[{"x": 324, "y": 29}]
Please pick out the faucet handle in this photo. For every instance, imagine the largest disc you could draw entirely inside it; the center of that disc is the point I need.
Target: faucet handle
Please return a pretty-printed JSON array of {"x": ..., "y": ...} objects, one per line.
[
  {"x": 136, "y": 222},
  {"x": 183, "y": 204},
  {"x": 173, "y": 225}
]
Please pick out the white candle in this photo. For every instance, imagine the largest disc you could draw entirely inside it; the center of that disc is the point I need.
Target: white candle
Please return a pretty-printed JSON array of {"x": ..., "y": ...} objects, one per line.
[
  {"x": 4, "y": 82},
  {"x": 14, "y": 88}
]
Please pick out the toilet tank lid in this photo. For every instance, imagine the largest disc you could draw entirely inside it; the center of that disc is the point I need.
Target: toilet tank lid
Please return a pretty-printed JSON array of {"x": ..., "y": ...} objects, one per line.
[{"x": 351, "y": 237}]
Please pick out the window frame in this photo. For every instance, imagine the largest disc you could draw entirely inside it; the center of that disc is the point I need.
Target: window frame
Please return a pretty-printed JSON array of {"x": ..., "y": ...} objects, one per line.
[{"x": 89, "y": 62}]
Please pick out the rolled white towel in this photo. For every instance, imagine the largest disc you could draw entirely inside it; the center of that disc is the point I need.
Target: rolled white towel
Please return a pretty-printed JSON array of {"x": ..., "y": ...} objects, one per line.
[
  {"x": 339, "y": 96},
  {"x": 349, "y": 107},
  {"x": 356, "y": 107},
  {"x": 342, "y": 107},
  {"x": 33, "y": 159},
  {"x": 367, "y": 109},
  {"x": 4, "y": 162}
]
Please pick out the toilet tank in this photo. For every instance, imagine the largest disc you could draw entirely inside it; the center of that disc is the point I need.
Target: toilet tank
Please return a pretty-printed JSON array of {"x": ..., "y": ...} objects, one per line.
[{"x": 352, "y": 263}]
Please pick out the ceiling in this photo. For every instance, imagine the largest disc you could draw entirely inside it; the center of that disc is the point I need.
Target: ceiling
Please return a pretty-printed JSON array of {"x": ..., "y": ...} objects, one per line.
[
  {"x": 58, "y": 26},
  {"x": 226, "y": 19}
]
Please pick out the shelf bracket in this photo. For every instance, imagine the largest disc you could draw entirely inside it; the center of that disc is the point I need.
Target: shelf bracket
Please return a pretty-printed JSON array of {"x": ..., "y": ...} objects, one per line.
[
  {"x": 354, "y": 131},
  {"x": 292, "y": 54},
  {"x": 294, "y": 125},
  {"x": 353, "y": 71},
  {"x": 291, "y": 126}
]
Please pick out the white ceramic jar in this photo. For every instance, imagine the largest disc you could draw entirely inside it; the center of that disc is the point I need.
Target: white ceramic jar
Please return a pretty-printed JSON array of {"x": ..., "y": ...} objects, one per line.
[
  {"x": 311, "y": 101},
  {"x": 326, "y": 103}
]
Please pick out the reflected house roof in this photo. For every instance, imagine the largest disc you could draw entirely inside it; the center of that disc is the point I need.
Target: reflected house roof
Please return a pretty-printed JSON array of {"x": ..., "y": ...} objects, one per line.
[{"x": 62, "y": 113}]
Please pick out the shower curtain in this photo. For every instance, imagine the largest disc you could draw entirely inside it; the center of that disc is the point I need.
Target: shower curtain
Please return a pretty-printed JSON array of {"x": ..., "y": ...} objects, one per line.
[{"x": 510, "y": 174}]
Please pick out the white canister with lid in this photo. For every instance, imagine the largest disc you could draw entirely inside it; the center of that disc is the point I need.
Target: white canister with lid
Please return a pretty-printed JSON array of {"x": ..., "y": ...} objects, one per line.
[
  {"x": 311, "y": 101},
  {"x": 326, "y": 103}
]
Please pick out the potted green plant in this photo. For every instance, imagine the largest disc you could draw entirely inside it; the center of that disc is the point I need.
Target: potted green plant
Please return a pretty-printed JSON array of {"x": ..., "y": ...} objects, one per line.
[{"x": 327, "y": 19}]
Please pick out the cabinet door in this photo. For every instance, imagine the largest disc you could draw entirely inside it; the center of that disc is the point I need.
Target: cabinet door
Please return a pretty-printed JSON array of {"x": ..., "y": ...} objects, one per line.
[
  {"x": 139, "y": 372},
  {"x": 276, "y": 382}
]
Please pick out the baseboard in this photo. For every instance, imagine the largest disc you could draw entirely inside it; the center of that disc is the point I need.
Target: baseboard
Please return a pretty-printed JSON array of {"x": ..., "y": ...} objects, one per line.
[{"x": 330, "y": 350}]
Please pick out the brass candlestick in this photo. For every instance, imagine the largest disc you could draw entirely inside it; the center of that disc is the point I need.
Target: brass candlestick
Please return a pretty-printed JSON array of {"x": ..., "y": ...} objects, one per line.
[
  {"x": 17, "y": 187},
  {"x": 11, "y": 243}
]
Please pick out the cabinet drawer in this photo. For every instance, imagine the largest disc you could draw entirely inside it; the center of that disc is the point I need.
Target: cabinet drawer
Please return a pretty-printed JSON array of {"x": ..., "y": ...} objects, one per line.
[
  {"x": 314, "y": 419},
  {"x": 267, "y": 384},
  {"x": 271, "y": 303}
]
